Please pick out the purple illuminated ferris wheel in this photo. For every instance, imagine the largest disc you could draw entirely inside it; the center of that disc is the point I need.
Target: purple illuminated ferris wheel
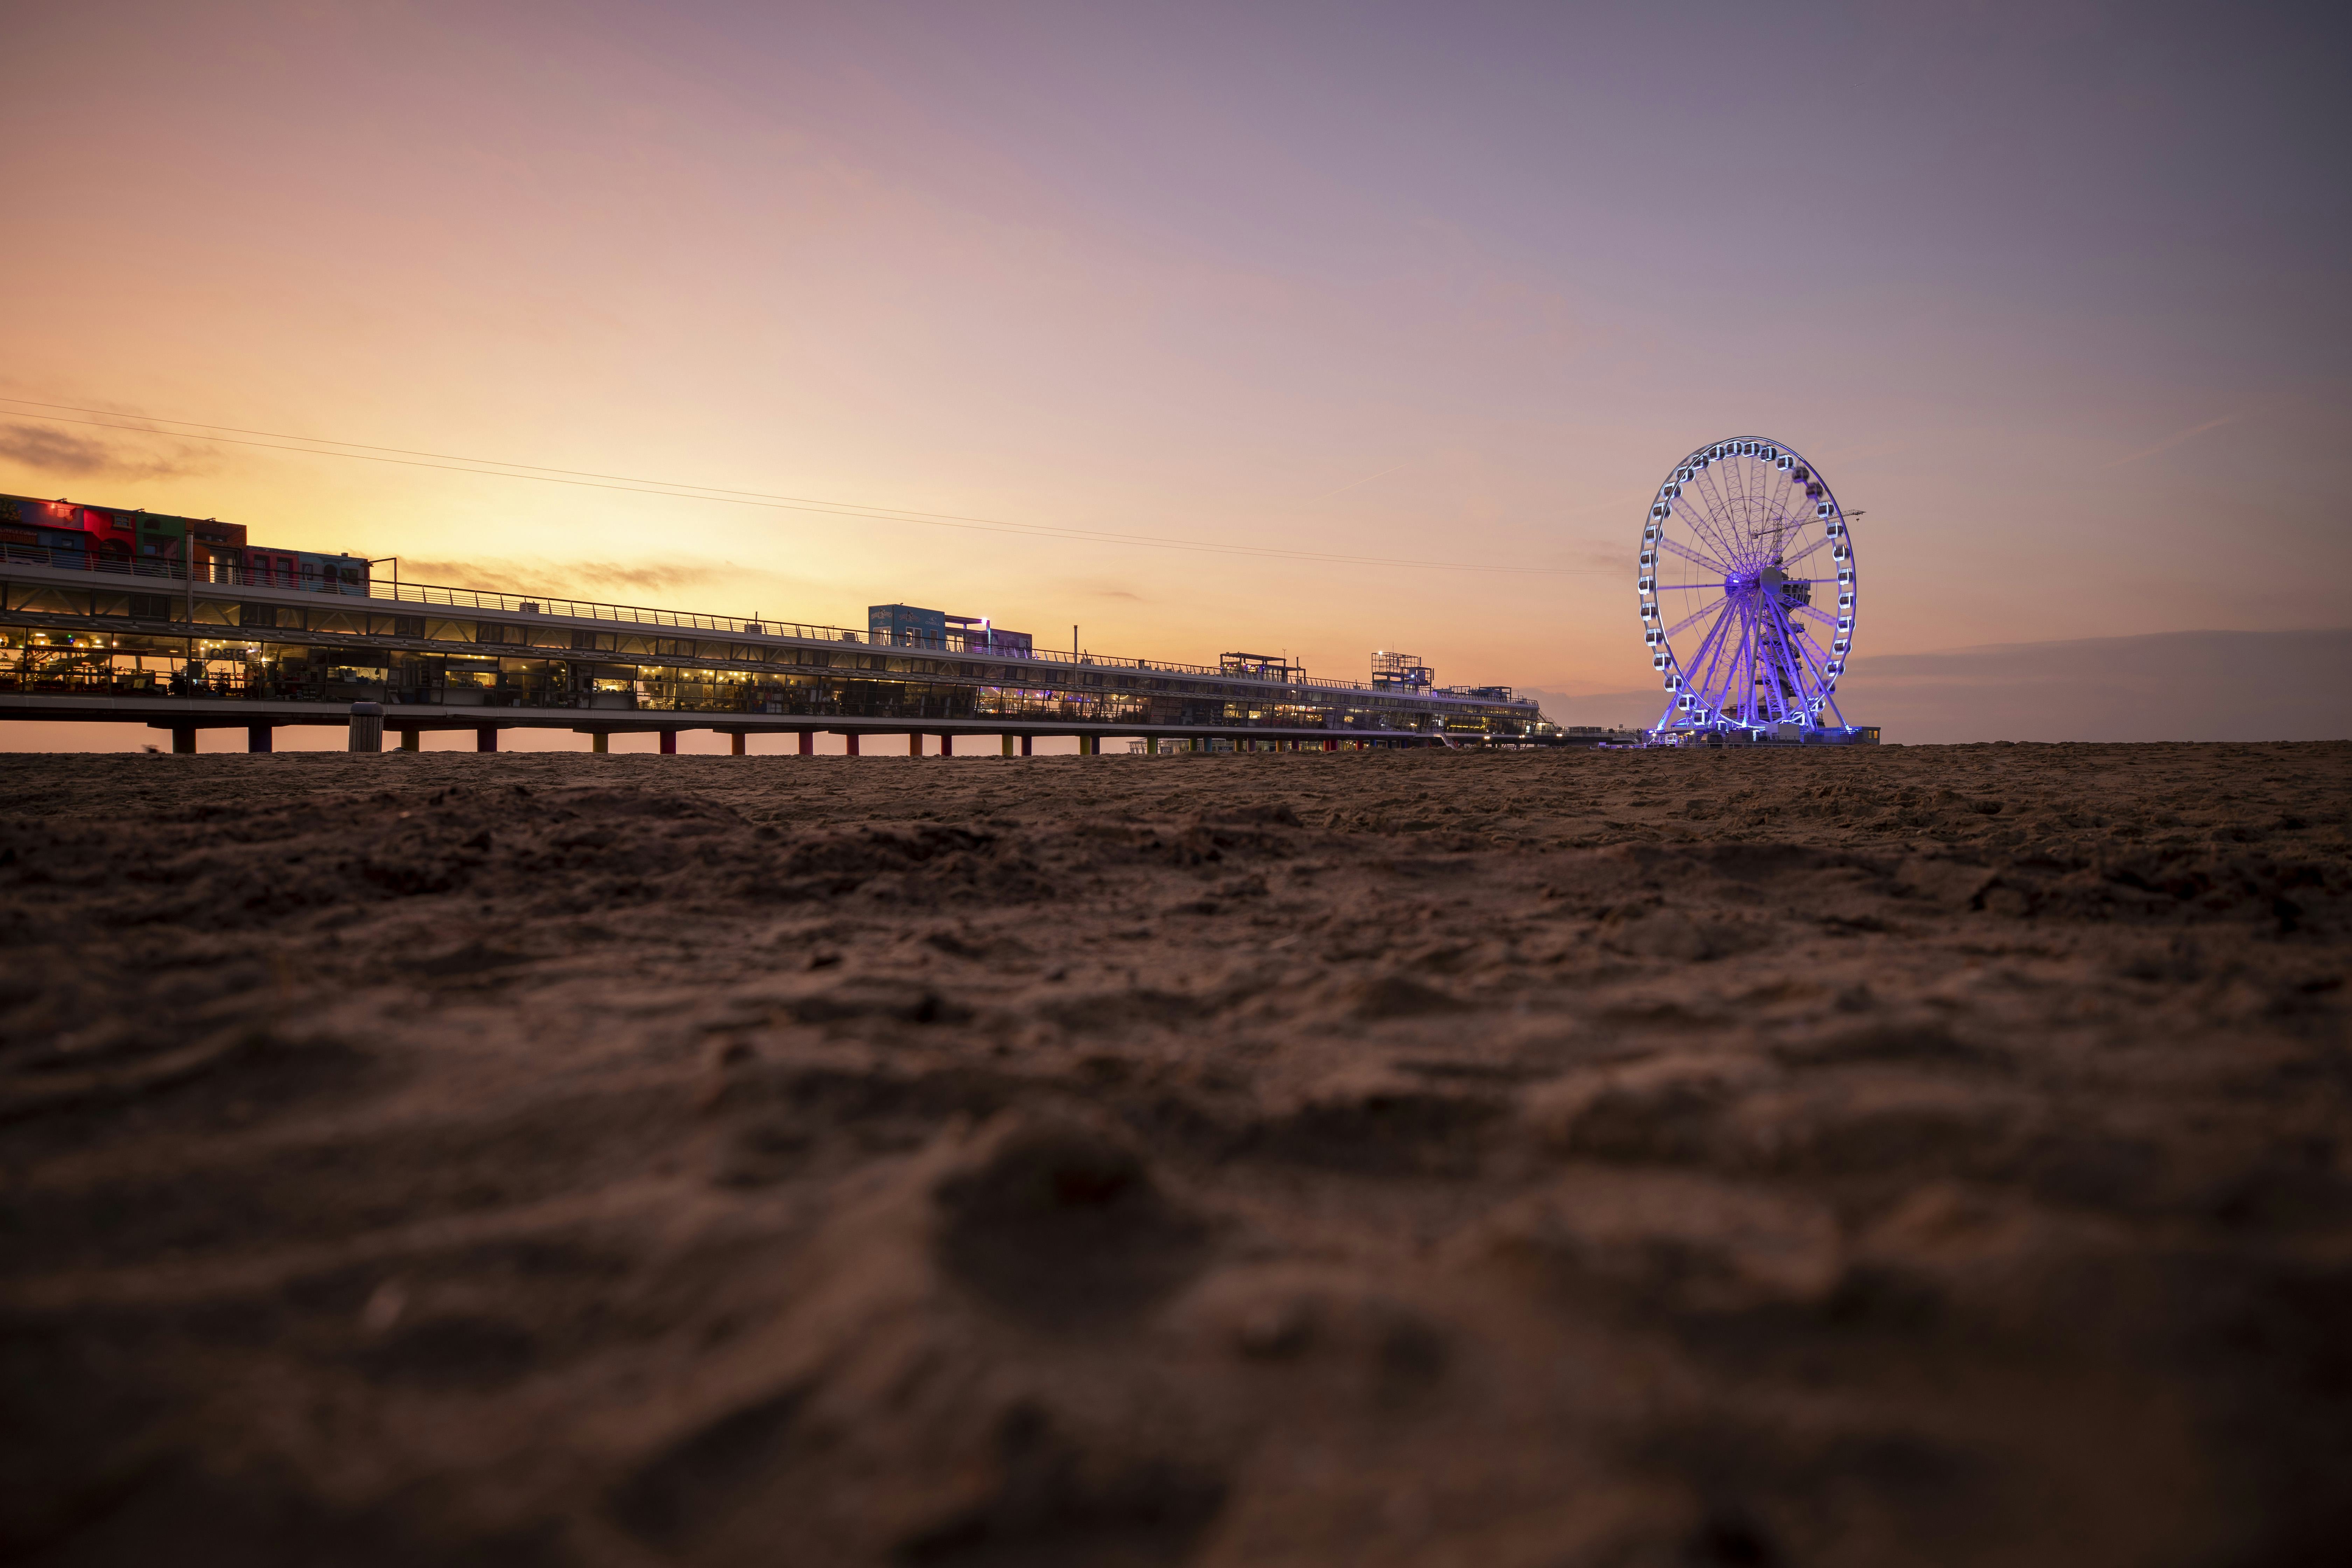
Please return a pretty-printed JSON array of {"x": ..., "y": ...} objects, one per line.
[{"x": 1747, "y": 592}]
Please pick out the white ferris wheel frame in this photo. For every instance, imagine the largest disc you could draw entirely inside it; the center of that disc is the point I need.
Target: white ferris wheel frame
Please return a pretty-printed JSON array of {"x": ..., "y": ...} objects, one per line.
[{"x": 1742, "y": 539}]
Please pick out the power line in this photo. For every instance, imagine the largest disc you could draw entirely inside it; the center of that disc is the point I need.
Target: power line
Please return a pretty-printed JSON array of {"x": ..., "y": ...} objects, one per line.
[{"x": 318, "y": 447}]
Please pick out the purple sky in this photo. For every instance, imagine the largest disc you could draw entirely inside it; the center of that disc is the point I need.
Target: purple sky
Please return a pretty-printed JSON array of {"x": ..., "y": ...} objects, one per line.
[{"x": 2055, "y": 293}]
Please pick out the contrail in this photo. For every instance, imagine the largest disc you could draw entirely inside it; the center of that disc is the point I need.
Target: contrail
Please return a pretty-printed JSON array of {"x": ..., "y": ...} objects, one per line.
[{"x": 2177, "y": 438}]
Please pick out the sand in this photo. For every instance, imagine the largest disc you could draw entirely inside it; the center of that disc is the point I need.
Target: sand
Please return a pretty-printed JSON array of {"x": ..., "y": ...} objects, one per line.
[{"x": 1910, "y": 1155}]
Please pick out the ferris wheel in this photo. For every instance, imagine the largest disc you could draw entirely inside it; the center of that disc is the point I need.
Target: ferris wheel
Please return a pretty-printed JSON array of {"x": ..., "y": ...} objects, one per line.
[{"x": 1748, "y": 592}]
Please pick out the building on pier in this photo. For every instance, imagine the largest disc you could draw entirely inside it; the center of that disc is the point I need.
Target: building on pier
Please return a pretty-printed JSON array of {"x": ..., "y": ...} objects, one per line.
[
  {"x": 1402, "y": 672},
  {"x": 85, "y": 635}
]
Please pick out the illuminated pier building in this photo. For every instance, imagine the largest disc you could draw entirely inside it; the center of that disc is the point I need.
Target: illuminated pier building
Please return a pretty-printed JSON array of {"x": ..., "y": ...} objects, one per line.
[{"x": 100, "y": 619}]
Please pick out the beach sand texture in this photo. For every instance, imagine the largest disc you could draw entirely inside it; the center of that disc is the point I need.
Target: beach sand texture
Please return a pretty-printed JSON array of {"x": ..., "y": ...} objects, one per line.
[{"x": 1872, "y": 1157}]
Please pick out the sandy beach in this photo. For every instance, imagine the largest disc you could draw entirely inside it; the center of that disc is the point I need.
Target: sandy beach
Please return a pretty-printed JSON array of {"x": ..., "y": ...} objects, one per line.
[{"x": 1874, "y": 1157}]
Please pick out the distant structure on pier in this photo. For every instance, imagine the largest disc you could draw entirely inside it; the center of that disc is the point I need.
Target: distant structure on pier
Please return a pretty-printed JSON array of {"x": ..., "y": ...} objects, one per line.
[
  {"x": 1402, "y": 672},
  {"x": 905, "y": 625},
  {"x": 1261, "y": 665}
]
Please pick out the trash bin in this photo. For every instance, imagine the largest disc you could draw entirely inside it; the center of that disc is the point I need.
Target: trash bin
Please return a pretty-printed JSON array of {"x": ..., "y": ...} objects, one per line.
[{"x": 367, "y": 727}]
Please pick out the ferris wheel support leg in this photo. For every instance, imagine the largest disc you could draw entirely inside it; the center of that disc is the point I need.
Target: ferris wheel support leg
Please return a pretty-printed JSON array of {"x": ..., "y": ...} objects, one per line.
[{"x": 1710, "y": 654}]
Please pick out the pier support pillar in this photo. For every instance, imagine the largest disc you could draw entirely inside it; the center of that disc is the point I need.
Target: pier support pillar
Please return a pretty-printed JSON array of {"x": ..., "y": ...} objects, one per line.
[
  {"x": 1007, "y": 739},
  {"x": 669, "y": 742},
  {"x": 486, "y": 738},
  {"x": 808, "y": 742},
  {"x": 183, "y": 741},
  {"x": 737, "y": 749},
  {"x": 411, "y": 740},
  {"x": 599, "y": 743},
  {"x": 257, "y": 738},
  {"x": 947, "y": 745},
  {"x": 852, "y": 739},
  {"x": 915, "y": 744},
  {"x": 1025, "y": 743}
]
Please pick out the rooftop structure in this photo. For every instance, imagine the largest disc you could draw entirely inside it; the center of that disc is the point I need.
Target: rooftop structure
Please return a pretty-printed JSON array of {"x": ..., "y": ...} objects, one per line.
[
  {"x": 1261, "y": 665},
  {"x": 1402, "y": 672}
]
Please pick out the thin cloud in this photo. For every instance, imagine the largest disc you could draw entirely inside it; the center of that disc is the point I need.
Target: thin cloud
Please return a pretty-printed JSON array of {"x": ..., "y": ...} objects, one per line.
[
  {"x": 1098, "y": 588},
  {"x": 586, "y": 578},
  {"x": 1355, "y": 484},
  {"x": 615, "y": 576},
  {"x": 2177, "y": 438},
  {"x": 495, "y": 575},
  {"x": 80, "y": 457},
  {"x": 1596, "y": 556}
]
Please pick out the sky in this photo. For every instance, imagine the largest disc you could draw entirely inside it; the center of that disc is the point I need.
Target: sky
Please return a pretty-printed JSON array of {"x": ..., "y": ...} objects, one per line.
[{"x": 1427, "y": 298}]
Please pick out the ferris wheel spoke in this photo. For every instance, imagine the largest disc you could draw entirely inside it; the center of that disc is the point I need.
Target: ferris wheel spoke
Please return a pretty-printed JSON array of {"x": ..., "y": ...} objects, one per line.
[
  {"x": 1694, "y": 557},
  {"x": 1702, "y": 521},
  {"x": 1758, "y": 664},
  {"x": 1827, "y": 688},
  {"x": 1752, "y": 684},
  {"x": 1767, "y": 520},
  {"x": 1735, "y": 676},
  {"x": 1712, "y": 505},
  {"x": 1821, "y": 658},
  {"x": 1710, "y": 653},
  {"x": 1711, "y": 648},
  {"x": 1807, "y": 549},
  {"x": 1699, "y": 663},
  {"x": 1737, "y": 682},
  {"x": 1740, "y": 475},
  {"x": 1687, "y": 621},
  {"x": 1731, "y": 520},
  {"x": 1801, "y": 688},
  {"x": 1793, "y": 518}
]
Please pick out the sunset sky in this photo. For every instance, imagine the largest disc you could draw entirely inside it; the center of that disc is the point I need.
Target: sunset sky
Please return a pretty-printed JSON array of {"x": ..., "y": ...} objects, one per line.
[{"x": 2054, "y": 293}]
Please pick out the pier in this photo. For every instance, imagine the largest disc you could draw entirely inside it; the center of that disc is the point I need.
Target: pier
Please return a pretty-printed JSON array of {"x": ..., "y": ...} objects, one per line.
[{"x": 136, "y": 641}]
